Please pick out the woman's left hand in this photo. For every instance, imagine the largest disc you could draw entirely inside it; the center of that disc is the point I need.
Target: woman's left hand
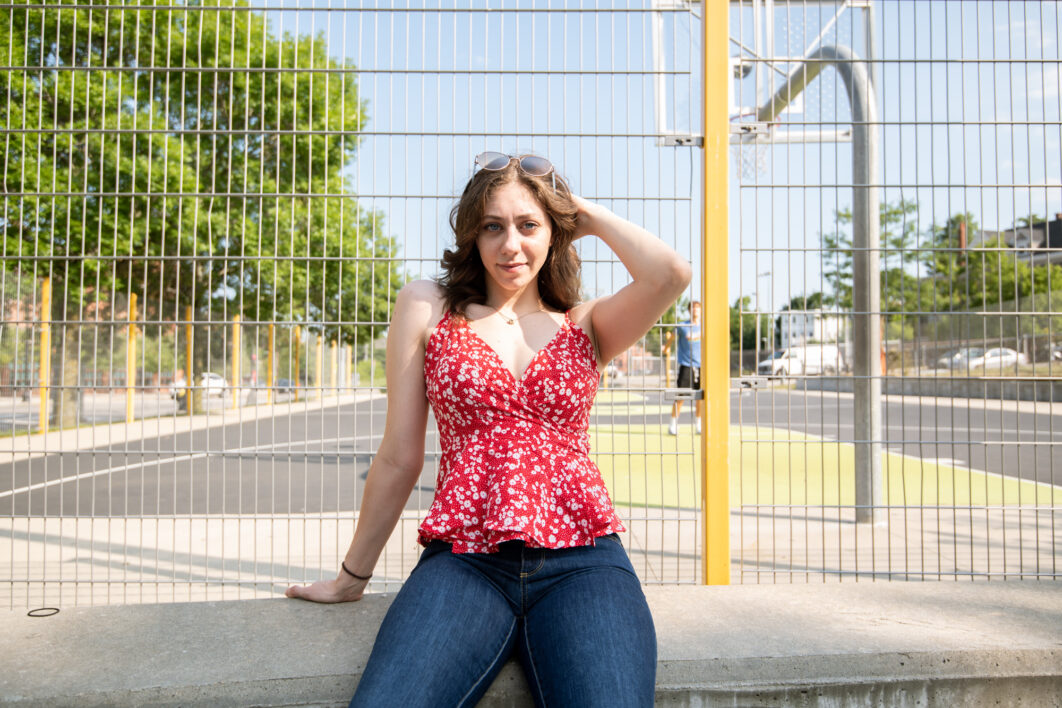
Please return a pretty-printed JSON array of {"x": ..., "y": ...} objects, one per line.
[{"x": 586, "y": 218}]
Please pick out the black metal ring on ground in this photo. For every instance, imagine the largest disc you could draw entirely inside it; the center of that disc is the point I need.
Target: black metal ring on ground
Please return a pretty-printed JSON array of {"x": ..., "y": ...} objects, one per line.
[{"x": 43, "y": 612}]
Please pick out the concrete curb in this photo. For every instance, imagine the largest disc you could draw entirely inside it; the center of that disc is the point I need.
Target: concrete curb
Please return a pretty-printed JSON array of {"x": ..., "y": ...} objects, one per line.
[
  {"x": 1046, "y": 390},
  {"x": 874, "y": 644}
]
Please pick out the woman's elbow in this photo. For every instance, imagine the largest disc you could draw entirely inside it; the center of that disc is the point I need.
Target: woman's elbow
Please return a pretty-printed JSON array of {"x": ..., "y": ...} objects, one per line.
[{"x": 676, "y": 276}]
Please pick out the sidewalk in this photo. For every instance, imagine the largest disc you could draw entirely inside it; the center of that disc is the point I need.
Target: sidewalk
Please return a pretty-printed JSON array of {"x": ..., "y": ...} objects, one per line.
[
  {"x": 91, "y": 435},
  {"x": 149, "y": 560}
]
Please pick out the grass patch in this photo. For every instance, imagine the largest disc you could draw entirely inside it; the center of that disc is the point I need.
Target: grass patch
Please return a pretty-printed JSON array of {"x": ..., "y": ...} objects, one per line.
[{"x": 643, "y": 466}]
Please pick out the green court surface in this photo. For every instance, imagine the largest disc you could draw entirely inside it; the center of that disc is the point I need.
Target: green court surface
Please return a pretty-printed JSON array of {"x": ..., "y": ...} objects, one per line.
[{"x": 644, "y": 466}]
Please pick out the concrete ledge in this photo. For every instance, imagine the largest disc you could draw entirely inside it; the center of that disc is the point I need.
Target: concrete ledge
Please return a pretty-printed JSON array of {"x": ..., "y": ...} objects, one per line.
[{"x": 888, "y": 644}]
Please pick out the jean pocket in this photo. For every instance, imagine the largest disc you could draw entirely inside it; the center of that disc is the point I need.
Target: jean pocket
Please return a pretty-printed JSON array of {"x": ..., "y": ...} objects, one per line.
[{"x": 614, "y": 537}]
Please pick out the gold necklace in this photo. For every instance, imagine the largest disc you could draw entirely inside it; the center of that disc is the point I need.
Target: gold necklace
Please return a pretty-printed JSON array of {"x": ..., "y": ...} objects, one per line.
[{"x": 514, "y": 320}]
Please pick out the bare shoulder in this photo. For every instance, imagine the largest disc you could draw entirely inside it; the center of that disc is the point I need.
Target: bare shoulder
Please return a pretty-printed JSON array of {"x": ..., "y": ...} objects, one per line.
[{"x": 418, "y": 307}]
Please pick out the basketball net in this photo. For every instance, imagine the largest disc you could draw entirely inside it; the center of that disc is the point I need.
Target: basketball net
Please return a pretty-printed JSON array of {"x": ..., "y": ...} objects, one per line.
[{"x": 751, "y": 159}]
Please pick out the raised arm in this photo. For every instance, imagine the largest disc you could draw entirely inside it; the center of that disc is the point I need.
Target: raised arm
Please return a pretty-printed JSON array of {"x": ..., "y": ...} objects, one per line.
[
  {"x": 400, "y": 457},
  {"x": 659, "y": 276}
]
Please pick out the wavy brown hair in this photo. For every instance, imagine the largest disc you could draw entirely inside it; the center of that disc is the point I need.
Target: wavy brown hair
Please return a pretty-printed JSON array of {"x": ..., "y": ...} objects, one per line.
[{"x": 464, "y": 279}]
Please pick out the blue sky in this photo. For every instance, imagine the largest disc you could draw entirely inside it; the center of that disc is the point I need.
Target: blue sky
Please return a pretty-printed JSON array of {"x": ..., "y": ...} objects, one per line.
[{"x": 968, "y": 95}]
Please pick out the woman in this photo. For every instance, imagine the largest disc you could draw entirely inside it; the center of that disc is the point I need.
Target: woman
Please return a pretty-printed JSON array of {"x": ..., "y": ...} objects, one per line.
[{"x": 521, "y": 546}]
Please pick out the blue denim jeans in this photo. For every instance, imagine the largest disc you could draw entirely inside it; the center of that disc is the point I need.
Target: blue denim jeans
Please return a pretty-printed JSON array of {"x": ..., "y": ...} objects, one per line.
[{"x": 576, "y": 618}]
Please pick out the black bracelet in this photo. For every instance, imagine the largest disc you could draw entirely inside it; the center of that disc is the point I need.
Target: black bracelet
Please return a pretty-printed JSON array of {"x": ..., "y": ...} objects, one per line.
[{"x": 348, "y": 571}]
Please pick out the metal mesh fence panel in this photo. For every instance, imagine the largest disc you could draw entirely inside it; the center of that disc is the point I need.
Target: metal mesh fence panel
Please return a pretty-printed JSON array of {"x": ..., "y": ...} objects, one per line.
[
  {"x": 896, "y": 208},
  {"x": 208, "y": 210}
]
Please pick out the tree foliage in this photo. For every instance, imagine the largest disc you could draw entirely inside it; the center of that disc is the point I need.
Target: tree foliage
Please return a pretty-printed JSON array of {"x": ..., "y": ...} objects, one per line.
[{"x": 186, "y": 155}]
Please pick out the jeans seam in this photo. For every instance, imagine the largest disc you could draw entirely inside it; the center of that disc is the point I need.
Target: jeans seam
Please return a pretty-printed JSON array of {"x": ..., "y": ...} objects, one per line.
[
  {"x": 493, "y": 663},
  {"x": 532, "y": 670},
  {"x": 541, "y": 562}
]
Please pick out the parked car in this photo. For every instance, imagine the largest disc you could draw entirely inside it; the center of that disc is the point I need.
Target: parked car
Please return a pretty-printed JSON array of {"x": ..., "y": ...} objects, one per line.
[
  {"x": 1056, "y": 352},
  {"x": 998, "y": 358},
  {"x": 285, "y": 385},
  {"x": 210, "y": 384},
  {"x": 806, "y": 359},
  {"x": 959, "y": 358}
]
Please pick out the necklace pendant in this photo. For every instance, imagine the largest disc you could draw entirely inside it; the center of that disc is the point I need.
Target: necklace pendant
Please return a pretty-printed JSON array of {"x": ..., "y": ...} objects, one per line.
[{"x": 508, "y": 320}]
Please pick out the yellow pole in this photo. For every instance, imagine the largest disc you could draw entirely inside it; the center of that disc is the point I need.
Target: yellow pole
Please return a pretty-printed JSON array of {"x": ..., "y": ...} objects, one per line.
[
  {"x": 715, "y": 326},
  {"x": 45, "y": 354},
  {"x": 295, "y": 375},
  {"x": 188, "y": 373},
  {"x": 318, "y": 374},
  {"x": 269, "y": 367},
  {"x": 333, "y": 364},
  {"x": 130, "y": 361},
  {"x": 235, "y": 361}
]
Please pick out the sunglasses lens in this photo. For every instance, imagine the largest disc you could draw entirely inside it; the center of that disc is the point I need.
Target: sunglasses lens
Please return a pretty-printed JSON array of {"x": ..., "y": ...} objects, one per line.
[
  {"x": 535, "y": 166},
  {"x": 493, "y": 160}
]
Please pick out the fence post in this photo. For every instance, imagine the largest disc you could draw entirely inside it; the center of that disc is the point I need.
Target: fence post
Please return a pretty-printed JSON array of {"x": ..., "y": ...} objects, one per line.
[
  {"x": 235, "y": 361},
  {"x": 189, "y": 379},
  {"x": 130, "y": 361},
  {"x": 715, "y": 326},
  {"x": 45, "y": 354}
]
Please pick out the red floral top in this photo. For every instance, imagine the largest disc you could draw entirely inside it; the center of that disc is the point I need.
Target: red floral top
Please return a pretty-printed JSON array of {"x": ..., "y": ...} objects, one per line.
[{"x": 515, "y": 453}]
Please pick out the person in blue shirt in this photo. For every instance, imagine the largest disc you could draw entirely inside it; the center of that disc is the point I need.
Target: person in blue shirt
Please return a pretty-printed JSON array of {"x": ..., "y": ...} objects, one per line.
[{"x": 689, "y": 362}]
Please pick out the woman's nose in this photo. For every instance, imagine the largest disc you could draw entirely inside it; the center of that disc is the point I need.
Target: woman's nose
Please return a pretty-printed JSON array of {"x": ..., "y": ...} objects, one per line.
[{"x": 511, "y": 243}]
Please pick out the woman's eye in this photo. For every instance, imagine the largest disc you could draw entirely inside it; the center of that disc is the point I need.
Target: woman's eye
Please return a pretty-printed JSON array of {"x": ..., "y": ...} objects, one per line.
[
  {"x": 492, "y": 227},
  {"x": 530, "y": 225}
]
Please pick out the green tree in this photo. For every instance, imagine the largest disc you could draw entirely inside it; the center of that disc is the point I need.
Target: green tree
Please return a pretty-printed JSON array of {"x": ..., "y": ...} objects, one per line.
[
  {"x": 900, "y": 289},
  {"x": 161, "y": 168},
  {"x": 743, "y": 325},
  {"x": 945, "y": 260},
  {"x": 995, "y": 275}
]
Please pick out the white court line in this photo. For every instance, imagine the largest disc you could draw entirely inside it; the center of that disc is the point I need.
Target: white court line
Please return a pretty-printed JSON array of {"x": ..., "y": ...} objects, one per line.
[{"x": 181, "y": 458}]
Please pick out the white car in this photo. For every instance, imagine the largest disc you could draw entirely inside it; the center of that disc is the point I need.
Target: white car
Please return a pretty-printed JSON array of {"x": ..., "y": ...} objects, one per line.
[
  {"x": 998, "y": 358},
  {"x": 210, "y": 384},
  {"x": 959, "y": 358}
]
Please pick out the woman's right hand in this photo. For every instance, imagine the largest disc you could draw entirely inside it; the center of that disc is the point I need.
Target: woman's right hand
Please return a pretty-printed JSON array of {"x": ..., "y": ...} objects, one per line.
[{"x": 342, "y": 589}]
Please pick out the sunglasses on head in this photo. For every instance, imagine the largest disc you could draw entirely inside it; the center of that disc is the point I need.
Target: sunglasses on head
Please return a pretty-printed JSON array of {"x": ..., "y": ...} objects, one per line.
[{"x": 531, "y": 165}]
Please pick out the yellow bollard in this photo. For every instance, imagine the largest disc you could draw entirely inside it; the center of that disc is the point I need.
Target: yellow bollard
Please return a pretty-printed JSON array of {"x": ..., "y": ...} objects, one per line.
[
  {"x": 333, "y": 364},
  {"x": 236, "y": 380},
  {"x": 715, "y": 326},
  {"x": 350, "y": 368},
  {"x": 269, "y": 367},
  {"x": 189, "y": 379},
  {"x": 45, "y": 354},
  {"x": 295, "y": 375},
  {"x": 130, "y": 361}
]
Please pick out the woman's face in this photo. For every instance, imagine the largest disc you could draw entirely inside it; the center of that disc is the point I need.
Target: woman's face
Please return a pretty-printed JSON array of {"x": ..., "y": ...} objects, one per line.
[{"x": 514, "y": 237}]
